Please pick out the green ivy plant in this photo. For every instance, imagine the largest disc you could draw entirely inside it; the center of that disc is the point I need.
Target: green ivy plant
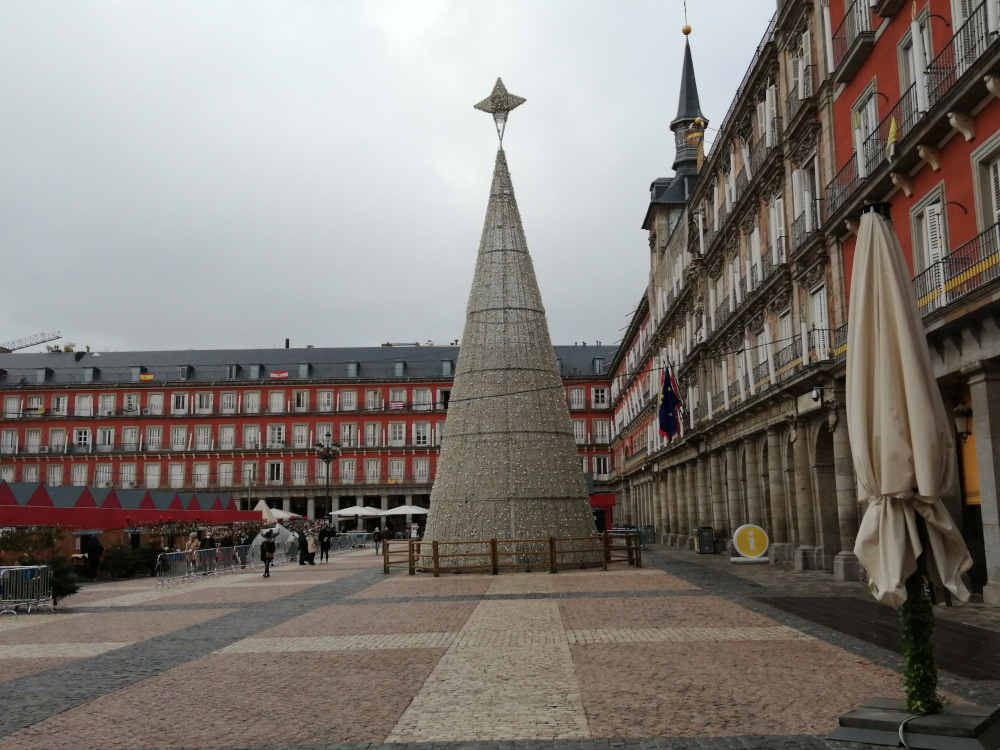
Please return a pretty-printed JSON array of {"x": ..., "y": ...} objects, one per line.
[{"x": 916, "y": 625}]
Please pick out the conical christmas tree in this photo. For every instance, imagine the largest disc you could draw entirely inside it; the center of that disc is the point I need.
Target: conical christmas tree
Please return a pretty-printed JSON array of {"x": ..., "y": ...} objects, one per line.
[{"x": 509, "y": 467}]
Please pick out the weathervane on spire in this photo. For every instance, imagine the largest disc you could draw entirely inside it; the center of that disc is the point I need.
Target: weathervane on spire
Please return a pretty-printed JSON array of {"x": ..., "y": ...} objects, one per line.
[{"x": 498, "y": 104}]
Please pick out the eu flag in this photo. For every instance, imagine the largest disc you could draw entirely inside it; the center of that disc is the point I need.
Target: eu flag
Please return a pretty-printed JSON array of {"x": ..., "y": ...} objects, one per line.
[{"x": 669, "y": 402}]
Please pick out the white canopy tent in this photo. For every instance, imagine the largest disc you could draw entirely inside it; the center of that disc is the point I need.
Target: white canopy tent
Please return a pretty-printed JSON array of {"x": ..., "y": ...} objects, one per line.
[
  {"x": 405, "y": 510},
  {"x": 355, "y": 511},
  {"x": 273, "y": 515}
]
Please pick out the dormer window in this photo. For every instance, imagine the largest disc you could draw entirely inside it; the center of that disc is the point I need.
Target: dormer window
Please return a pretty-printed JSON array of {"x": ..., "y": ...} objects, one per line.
[
  {"x": 598, "y": 365},
  {"x": 447, "y": 368},
  {"x": 233, "y": 372},
  {"x": 42, "y": 374},
  {"x": 255, "y": 372},
  {"x": 90, "y": 374},
  {"x": 184, "y": 372},
  {"x": 399, "y": 368},
  {"x": 137, "y": 372},
  {"x": 304, "y": 369},
  {"x": 352, "y": 369}
]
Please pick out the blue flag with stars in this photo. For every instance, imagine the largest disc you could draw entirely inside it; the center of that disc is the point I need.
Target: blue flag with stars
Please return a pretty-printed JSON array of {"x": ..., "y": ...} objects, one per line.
[{"x": 669, "y": 402}]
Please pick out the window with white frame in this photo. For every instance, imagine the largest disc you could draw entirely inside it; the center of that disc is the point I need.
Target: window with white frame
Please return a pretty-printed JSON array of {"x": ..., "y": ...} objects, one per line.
[
  {"x": 35, "y": 406},
  {"x": 32, "y": 441},
  {"x": 300, "y": 472},
  {"x": 348, "y": 434},
  {"x": 397, "y": 433},
  {"x": 154, "y": 438},
  {"x": 200, "y": 474},
  {"x": 864, "y": 121},
  {"x": 601, "y": 431},
  {"x": 84, "y": 406},
  {"x": 202, "y": 438},
  {"x": 276, "y": 436},
  {"x": 248, "y": 473},
  {"x": 397, "y": 398},
  {"x": 203, "y": 402},
  {"x": 929, "y": 233},
  {"x": 600, "y": 466},
  {"x": 422, "y": 399},
  {"x": 178, "y": 438},
  {"x": 225, "y": 474},
  {"x": 914, "y": 54},
  {"x": 439, "y": 431},
  {"x": 81, "y": 437},
  {"x": 373, "y": 399},
  {"x": 276, "y": 402},
  {"x": 154, "y": 403},
  {"x": 348, "y": 400},
  {"x": 126, "y": 476},
  {"x": 820, "y": 320},
  {"x": 60, "y": 406},
  {"x": 178, "y": 402},
  {"x": 576, "y": 399},
  {"x": 324, "y": 433},
  {"x": 324, "y": 401},
  {"x": 102, "y": 475},
  {"x": 151, "y": 474},
  {"x": 347, "y": 470},
  {"x": 580, "y": 430},
  {"x": 105, "y": 439},
  {"x": 321, "y": 469},
  {"x": 251, "y": 436},
  {"x": 300, "y": 436},
  {"x": 57, "y": 439},
  {"x": 29, "y": 474},
  {"x": 78, "y": 475},
  {"x": 106, "y": 405},
  {"x": 300, "y": 400},
  {"x": 6, "y": 473},
  {"x": 11, "y": 406},
  {"x": 131, "y": 403},
  {"x": 227, "y": 403},
  {"x": 421, "y": 433},
  {"x": 54, "y": 475},
  {"x": 421, "y": 469},
  {"x": 175, "y": 475},
  {"x": 251, "y": 402},
  {"x": 599, "y": 398},
  {"x": 274, "y": 472},
  {"x": 397, "y": 469},
  {"x": 373, "y": 468},
  {"x": 373, "y": 431}
]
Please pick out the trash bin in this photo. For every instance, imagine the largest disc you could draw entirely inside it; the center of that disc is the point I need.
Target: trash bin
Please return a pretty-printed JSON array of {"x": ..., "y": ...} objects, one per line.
[
  {"x": 706, "y": 540},
  {"x": 649, "y": 535}
]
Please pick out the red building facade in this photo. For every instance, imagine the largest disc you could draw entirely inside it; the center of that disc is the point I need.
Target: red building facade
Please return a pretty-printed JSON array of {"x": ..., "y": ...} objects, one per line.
[{"x": 249, "y": 423}]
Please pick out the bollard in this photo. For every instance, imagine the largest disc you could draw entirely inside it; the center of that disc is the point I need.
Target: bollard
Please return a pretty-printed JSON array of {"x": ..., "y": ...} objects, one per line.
[
  {"x": 413, "y": 559},
  {"x": 628, "y": 546},
  {"x": 385, "y": 556},
  {"x": 638, "y": 553},
  {"x": 434, "y": 558},
  {"x": 552, "y": 554},
  {"x": 607, "y": 550},
  {"x": 494, "y": 563}
]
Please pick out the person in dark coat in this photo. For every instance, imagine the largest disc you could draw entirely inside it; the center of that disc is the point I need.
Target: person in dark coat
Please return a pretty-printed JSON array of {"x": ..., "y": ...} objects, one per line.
[
  {"x": 324, "y": 544},
  {"x": 303, "y": 549},
  {"x": 377, "y": 538},
  {"x": 267, "y": 549},
  {"x": 94, "y": 551}
]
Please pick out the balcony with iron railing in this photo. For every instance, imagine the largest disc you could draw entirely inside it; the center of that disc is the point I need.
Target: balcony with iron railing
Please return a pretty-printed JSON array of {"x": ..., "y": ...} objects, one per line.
[
  {"x": 227, "y": 481},
  {"x": 968, "y": 268},
  {"x": 942, "y": 76},
  {"x": 805, "y": 224},
  {"x": 787, "y": 356},
  {"x": 718, "y": 401},
  {"x": 852, "y": 41},
  {"x": 761, "y": 374},
  {"x": 800, "y": 94}
]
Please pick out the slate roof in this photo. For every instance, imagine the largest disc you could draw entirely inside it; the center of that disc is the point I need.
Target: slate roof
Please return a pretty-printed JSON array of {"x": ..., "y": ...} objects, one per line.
[{"x": 207, "y": 365}]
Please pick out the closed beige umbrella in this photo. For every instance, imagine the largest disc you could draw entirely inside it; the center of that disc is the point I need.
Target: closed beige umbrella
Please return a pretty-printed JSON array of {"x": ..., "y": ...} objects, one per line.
[{"x": 901, "y": 437}]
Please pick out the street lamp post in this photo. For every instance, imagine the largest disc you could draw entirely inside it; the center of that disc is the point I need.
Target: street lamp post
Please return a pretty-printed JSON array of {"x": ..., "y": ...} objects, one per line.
[{"x": 327, "y": 451}]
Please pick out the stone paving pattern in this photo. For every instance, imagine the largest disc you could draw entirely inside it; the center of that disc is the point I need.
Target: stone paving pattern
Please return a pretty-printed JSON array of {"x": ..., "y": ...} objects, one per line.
[{"x": 679, "y": 654}]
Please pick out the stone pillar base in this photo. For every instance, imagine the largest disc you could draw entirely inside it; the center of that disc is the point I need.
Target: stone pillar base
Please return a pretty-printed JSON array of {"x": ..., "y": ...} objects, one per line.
[
  {"x": 782, "y": 552},
  {"x": 690, "y": 541},
  {"x": 809, "y": 558},
  {"x": 991, "y": 594},
  {"x": 846, "y": 567}
]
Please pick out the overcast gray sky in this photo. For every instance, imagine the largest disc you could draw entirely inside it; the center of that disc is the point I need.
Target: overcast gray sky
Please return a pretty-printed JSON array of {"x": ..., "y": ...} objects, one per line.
[{"x": 211, "y": 174}]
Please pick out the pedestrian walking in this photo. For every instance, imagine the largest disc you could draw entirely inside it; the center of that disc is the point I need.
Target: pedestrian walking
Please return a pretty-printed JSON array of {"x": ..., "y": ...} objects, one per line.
[
  {"x": 324, "y": 544},
  {"x": 377, "y": 538},
  {"x": 267, "y": 548},
  {"x": 311, "y": 548},
  {"x": 303, "y": 550},
  {"x": 94, "y": 551}
]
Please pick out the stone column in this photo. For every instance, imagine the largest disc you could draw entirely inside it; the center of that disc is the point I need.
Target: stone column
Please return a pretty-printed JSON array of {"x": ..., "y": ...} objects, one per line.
[
  {"x": 408, "y": 499},
  {"x": 661, "y": 480},
  {"x": 845, "y": 564},
  {"x": 780, "y": 550},
  {"x": 311, "y": 508},
  {"x": 704, "y": 493},
  {"x": 286, "y": 504},
  {"x": 718, "y": 496},
  {"x": 754, "y": 511},
  {"x": 733, "y": 489},
  {"x": 691, "y": 495},
  {"x": 984, "y": 388},
  {"x": 805, "y": 555},
  {"x": 673, "y": 507},
  {"x": 385, "y": 506},
  {"x": 657, "y": 498}
]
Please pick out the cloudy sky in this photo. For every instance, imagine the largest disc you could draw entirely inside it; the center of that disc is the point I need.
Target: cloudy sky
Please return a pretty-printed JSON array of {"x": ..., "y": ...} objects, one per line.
[{"x": 213, "y": 174}]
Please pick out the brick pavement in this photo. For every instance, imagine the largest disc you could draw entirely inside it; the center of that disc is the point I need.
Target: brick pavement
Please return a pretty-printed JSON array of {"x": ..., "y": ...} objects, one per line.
[{"x": 679, "y": 654}]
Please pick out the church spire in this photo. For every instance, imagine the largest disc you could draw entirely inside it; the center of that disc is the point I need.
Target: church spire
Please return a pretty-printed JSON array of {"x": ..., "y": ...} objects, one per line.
[{"x": 688, "y": 110}]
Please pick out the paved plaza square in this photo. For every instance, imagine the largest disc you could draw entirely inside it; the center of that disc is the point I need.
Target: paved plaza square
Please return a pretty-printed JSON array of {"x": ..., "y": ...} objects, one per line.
[{"x": 684, "y": 652}]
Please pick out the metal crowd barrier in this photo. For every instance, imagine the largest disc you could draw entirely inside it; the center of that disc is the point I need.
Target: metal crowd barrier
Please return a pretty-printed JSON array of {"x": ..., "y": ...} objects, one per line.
[{"x": 25, "y": 586}]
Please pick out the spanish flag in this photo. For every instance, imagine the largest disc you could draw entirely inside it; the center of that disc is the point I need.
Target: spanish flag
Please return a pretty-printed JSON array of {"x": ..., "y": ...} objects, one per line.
[{"x": 145, "y": 376}]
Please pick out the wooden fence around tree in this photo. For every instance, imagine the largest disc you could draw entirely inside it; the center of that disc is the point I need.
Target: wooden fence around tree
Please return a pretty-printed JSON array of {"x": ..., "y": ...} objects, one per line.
[{"x": 494, "y": 555}]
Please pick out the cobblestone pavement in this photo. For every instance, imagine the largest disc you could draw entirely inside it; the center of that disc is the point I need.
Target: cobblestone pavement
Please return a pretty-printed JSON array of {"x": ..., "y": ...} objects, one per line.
[{"x": 679, "y": 654}]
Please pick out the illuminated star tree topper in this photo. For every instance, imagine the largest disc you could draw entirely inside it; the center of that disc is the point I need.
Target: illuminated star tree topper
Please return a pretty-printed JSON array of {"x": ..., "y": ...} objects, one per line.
[{"x": 498, "y": 104}]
